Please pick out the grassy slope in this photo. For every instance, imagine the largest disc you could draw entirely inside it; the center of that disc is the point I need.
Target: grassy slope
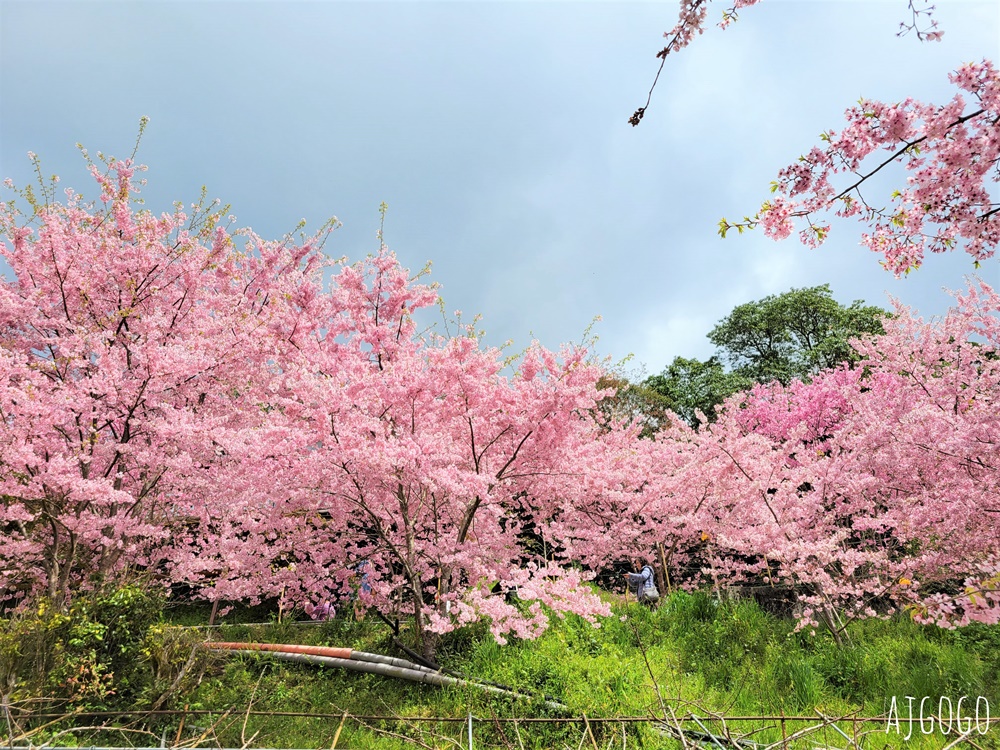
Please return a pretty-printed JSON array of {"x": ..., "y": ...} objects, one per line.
[{"x": 732, "y": 658}]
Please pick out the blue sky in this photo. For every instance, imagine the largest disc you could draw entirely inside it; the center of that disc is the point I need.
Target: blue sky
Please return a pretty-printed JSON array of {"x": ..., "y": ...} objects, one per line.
[{"x": 497, "y": 133}]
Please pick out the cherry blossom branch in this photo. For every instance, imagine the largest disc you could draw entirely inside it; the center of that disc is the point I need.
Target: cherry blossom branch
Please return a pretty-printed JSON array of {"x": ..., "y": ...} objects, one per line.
[
  {"x": 692, "y": 19},
  {"x": 691, "y": 22},
  {"x": 928, "y": 33},
  {"x": 907, "y": 146}
]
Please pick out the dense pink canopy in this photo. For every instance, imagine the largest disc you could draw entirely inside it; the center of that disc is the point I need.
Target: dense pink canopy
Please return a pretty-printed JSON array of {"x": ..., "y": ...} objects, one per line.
[
  {"x": 207, "y": 409},
  {"x": 869, "y": 488}
]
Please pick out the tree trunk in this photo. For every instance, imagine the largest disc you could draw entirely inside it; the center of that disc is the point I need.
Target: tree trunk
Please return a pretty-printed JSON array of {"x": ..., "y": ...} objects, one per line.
[
  {"x": 829, "y": 616},
  {"x": 426, "y": 642}
]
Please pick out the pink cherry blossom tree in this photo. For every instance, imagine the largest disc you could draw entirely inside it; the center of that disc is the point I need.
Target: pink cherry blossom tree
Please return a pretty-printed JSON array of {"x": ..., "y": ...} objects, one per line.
[
  {"x": 435, "y": 476},
  {"x": 194, "y": 402},
  {"x": 135, "y": 349},
  {"x": 873, "y": 486}
]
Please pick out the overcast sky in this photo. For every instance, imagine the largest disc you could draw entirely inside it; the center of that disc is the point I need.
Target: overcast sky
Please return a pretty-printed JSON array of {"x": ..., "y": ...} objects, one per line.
[{"x": 497, "y": 133}]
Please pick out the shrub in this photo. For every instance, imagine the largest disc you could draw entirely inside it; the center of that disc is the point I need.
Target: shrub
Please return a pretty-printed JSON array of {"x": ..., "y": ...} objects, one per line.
[{"x": 88, "y": 655}]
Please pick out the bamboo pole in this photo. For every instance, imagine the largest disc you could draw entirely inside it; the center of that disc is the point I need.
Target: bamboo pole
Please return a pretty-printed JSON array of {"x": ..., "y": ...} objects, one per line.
[
  {"x": 180, "y": 727},
  {"x": 663, "y": 567},
  {"x": 590, "y": 733},
  {"x": 336, "y": 736}
]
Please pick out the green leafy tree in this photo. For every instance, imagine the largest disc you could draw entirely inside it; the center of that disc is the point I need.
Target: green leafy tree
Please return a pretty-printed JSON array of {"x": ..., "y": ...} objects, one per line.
[
  {"x": 794, "y": 335},
  {"x": 783, "y": 337},
  {"x": 690, "y": 385},
  {"x": 651, "y": 405}
]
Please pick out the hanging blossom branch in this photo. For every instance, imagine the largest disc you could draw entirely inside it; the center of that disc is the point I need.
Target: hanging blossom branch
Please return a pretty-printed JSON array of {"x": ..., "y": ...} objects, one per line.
[
  {"x": 917, "y": 17},
  {"x": 691, "y": 22},
  {"x": 951, "y": 154},
  {"x": 952, "y": 157}
]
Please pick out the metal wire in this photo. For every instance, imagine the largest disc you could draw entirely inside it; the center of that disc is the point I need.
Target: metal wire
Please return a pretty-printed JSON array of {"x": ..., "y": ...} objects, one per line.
[{"x": 521, "y": 720}]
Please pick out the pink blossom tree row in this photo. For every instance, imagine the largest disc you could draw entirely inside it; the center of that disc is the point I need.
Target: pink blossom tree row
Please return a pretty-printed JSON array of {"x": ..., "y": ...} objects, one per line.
[{"x": 195, "y": 404}]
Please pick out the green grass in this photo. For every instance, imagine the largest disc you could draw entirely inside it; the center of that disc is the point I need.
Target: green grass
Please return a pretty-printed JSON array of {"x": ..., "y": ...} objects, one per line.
[{"x": 702, "y": 657}]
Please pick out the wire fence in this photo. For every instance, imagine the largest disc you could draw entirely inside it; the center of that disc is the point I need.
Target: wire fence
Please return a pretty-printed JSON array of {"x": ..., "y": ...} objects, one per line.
[
  {"x": 40, "y": 730},
  {"x": 519, "y": 719}
]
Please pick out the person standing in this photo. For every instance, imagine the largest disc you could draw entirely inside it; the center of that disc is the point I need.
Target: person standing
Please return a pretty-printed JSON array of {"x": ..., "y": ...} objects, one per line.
[
  {"x": 642, "y": 582},
  {"x": 363, "y": 594}
]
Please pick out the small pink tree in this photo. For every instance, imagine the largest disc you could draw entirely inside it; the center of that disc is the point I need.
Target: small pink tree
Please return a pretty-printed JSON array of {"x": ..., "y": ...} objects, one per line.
[{"x": 439, "y": 474}]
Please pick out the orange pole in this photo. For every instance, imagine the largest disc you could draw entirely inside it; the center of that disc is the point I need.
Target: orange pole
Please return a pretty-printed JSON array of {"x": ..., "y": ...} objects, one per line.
[{"x": 337, "y": 653}]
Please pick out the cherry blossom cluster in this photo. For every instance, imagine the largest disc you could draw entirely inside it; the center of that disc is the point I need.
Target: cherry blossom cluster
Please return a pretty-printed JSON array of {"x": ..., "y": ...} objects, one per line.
[
  {"x": 690, "y": 23},
  {"x": 137, "y": 350},
  {"x": 951, "y": 155},
  {"x": 869, "y": 489},
  {"x": 196, "y": 405}
]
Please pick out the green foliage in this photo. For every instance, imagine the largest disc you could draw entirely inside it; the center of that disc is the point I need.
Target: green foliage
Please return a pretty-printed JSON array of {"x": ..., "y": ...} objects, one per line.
[
  {"x": 85, "y": 655},
  {"x": 704, "y": 655},
  {"x": 650, "y": 405},
  {"x": 859, "y": 671},
  {"x": 721, "y": 641},
  {"x": 899, "y": 657},
  {"x": 982, "y": 640},
  {"x": 798, "y": 687},
  {"x": 793, "y": 335},
  {"x": 172, "y": 662},
  {"x": 781, "y": 337},
  {"x": 690, "y": 386}
]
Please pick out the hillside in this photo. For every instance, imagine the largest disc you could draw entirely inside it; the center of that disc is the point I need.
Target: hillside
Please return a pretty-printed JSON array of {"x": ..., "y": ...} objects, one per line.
[{"x": 730, "y": 658}]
